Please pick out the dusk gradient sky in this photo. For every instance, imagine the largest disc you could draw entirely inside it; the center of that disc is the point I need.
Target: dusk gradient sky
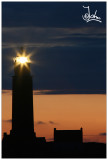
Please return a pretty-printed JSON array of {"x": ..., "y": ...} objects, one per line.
[{"x": 69, "y": 60}]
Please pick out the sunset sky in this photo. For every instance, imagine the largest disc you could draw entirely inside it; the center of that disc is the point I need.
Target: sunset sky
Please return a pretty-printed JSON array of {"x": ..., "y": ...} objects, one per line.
[
  {"x": 69, "y": 111},
  {"x": 69, "y": 65}
]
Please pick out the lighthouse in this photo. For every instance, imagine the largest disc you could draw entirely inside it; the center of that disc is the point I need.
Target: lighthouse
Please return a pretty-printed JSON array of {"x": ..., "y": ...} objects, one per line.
[{"x": 22, "y": 99}]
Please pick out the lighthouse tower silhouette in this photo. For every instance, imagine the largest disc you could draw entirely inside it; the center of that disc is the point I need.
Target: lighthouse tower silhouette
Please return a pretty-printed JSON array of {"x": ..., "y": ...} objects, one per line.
[{"x": 22, "y": 101}]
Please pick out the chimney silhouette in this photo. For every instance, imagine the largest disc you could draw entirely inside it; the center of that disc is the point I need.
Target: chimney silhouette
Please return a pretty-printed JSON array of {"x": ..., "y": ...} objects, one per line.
[{"x": 22, "y": 102}]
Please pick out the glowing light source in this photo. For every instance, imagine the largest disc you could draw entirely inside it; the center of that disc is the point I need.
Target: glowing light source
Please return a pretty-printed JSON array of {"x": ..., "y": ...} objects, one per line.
[{"x": 22, "y": 59}]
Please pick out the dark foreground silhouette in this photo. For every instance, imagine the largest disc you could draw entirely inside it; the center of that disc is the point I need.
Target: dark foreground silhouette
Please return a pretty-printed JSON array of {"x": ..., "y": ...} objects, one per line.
[{"x": 54, "y": 150}]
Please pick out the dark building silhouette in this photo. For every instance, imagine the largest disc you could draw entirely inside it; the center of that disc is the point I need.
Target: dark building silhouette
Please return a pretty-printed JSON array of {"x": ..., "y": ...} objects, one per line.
[
  {"x": 72, "y": 136},
  {"x": 22, "y": 106},
  {"x": 22, "y": 102}
]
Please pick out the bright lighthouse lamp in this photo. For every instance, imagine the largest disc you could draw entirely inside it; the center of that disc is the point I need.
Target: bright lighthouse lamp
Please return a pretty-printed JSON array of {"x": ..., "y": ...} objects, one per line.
[
  {"x": 22, "y": 59},
  {"x": 22, "y": 62}
]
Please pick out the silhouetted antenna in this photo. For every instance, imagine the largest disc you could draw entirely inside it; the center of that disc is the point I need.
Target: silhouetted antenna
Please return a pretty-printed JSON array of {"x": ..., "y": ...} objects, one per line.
[{"x": 22, "y": 49}]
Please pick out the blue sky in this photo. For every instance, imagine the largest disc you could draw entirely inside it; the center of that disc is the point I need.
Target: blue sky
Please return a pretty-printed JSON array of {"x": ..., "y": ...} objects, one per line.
[{"x": 69, "y": 53}]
